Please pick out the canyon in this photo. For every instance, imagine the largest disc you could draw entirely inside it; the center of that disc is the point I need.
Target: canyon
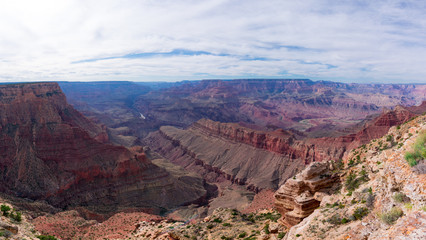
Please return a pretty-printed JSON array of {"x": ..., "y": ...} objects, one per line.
[
  {"x": 51, "y": 152},
  {"x": 94, "y": 153}
]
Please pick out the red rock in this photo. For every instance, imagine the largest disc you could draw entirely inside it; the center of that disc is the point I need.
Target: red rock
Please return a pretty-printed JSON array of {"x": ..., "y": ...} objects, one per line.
[
  {"x": 49, "y": 151},
  {"x": 296, "y": 199}
]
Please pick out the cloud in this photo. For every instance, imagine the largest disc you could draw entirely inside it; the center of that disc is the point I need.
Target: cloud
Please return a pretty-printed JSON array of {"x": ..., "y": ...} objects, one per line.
[{"x": 85, "y": 40}]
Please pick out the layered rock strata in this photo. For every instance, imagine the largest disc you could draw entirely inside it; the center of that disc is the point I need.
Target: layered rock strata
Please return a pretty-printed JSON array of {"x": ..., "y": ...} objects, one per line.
[
  {"x": 218, "y": 159},
  {"x": 301, "y": 195},
  {"x": 259, "y": 159},
  {"x": 49, "y": 151}
]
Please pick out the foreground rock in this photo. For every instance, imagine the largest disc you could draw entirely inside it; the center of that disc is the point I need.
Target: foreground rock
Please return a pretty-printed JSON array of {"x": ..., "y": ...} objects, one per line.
[
  {"x": 301, "y": 195},
  {"x": 382, "y": 196},
  {"x": 51, "y": 152}
]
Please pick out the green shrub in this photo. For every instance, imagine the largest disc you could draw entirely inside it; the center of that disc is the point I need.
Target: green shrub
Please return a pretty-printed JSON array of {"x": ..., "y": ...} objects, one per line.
[
  {"x": 411, "y": 159},
  {"x": 17, "y": 216},
  {"x": 210, "y": 226},
  {"x": 400, "y": 197},
  {"x": 46, "y": 237},
  {"x": 281, "y": 235},
  {"x": 360, "y": 213},
  {"x": 5, "y": 209},
  {"x": 243, "y": 234},
  {"x": 217, "y": 220},
  {"x": 266, "y": 228},
  {"x": 271, "y": 216},
  {"x": 226, "y": 225},
  {"x": 351, "y": 182},
  {"x": 391, "y": 216},
  {"x": 363, "y": 176},
  {"x": 335, "y": 219}
]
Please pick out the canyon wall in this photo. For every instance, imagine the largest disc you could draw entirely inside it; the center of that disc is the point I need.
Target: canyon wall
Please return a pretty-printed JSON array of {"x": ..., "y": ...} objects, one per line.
[
  {"x": 260, "y": 159},
  {"x": 49, "y": 151}
]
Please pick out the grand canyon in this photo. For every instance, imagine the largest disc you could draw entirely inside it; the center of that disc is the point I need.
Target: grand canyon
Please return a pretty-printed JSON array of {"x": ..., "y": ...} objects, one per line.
[{"x": 216, "y": 159}]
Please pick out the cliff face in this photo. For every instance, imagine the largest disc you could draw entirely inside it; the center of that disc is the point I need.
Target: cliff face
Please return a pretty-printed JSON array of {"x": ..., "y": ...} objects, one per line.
[
  {"x": 260, "y": 159},
  {"x": 51, "y": 152}
]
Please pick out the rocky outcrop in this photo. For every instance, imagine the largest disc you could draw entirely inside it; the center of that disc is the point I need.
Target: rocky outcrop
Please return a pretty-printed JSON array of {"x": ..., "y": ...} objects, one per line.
[
  {"x": 300, "y": 196},
  {"x": 382, "y": 197},
  {"x": 49, "y": 151}
]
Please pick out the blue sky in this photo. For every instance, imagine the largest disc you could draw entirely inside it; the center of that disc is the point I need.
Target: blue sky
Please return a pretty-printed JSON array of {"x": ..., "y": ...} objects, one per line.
[{"x": 147, "y": 40}]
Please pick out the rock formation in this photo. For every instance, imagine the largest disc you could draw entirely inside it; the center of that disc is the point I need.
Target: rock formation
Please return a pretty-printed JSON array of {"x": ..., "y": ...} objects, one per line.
[
  {"x": 382, "y": 196},
  {"x": 260, "y": 159},
  {"x": 216, "y": 158},
  {"x": 300, "y": 196},
  {"x": 49, "y": 151}
]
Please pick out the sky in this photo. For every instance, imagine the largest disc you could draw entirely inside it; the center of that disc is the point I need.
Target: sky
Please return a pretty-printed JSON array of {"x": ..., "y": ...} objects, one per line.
[{"x": 147, "y": 40}]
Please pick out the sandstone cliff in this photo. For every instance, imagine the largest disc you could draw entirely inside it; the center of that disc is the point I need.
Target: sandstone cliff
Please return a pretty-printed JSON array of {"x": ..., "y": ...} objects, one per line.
[{"x": 49, "y": 151}]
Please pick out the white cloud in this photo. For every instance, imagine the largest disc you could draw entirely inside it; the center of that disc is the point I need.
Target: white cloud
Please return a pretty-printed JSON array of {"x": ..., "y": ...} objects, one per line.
[{"x": 356, "y": 41}]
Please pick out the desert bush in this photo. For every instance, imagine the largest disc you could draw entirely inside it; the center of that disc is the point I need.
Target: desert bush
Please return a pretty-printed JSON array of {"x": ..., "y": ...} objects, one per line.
[
  {"x": 400, "y": 197},
  {"x": 363, "y": 176},
  {"x": 391, "y": 216},
  {"x": 351, "y": 182},
  {"x": 360, "y": 213},
  {"x": 243, "y": 234},
  {"x": 266, "y": 228},
  {"x": 17, "y": 216},
  {"x": 419, "y": 150},
  {"x": 370, "y": 200},
  {"x": 46, "y": 237},
  {"x": 5, "y": 209},
  {"x": 281, "y": 235},
  {"x": 335, "y": 219}
]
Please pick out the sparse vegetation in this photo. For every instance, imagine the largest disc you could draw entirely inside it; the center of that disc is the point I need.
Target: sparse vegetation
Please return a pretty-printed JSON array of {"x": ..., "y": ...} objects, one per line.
[
  {"x": 391, "y": 216},
  {"x": 46, "y": 237},
  {"x": 419, "y": 151},
  {"x": 266, "y": 228},
  {"x": 5, "y": 209},
  {"x": 370, "y": 200},
  {"x": 281, "y": 235},
  {"x": 17, "y": 216},
  {"x": 351, "y": 182},
  {"x": 408, "y": 206},
  {"x": 243, "y": 234},
  {"x": 400, "y": 197},
  {"x": 360, "y": 213}
]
